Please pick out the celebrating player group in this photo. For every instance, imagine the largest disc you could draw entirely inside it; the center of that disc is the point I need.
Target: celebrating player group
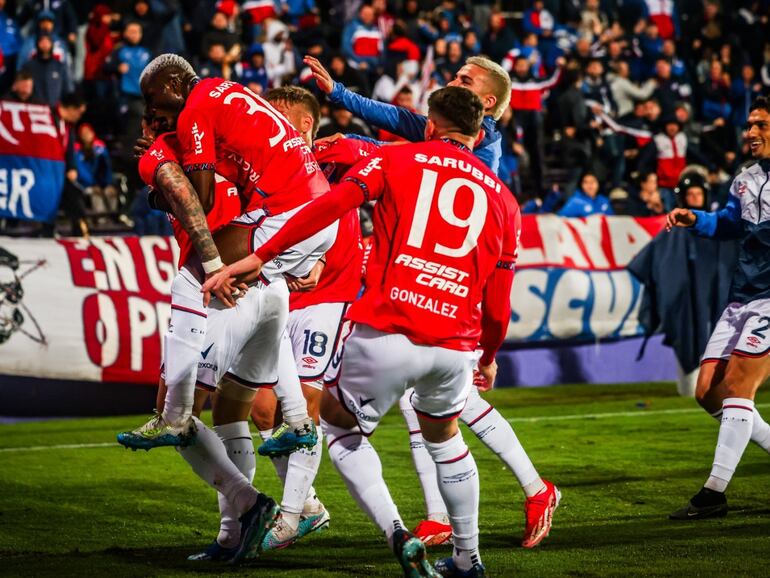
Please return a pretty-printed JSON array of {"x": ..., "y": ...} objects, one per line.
[{"x": 279, "y": 319}]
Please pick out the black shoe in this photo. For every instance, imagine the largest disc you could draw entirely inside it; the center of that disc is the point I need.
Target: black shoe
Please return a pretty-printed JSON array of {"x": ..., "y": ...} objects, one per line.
[{"x": 705, "y": 504}]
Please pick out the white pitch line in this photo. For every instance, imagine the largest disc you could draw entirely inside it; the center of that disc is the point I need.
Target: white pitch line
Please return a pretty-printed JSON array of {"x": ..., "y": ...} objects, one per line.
[{"x": 606, "y": 415}]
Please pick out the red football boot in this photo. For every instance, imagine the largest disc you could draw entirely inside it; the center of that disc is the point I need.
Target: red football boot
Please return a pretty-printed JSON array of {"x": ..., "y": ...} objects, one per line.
[
  {"x": 433, "y": 533},
  {"x": 539, "y": 511}
]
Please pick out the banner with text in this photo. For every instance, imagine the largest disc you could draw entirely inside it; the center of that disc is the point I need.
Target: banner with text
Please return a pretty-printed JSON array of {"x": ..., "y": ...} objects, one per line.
[
  {"x": 571, "y": 281},
  {"x": 31, "y": 162},
  {"x": 97, "y": 310}
]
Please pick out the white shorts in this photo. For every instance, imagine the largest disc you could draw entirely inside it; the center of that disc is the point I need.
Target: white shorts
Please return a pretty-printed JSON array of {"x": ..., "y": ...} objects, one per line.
[
  {"x": 315, "y": 332},
  {"x": 377, "y": 368},
  {"x": 743, "y": 330},
  {"x": 242, "y": 341},
  {"x": 297, "y": 261},
  {"x": 335, "y": 363}
]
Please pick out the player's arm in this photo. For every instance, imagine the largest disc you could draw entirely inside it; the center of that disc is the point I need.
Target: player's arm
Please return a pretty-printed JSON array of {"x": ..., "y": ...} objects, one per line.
[
  {"x": 722, "y": 224},
  {"x": 496, "y": 303},
  {"x": 395, "y": 119},
  {"x": 187, "y": 209},
  {"x": 363, "y": 183}
]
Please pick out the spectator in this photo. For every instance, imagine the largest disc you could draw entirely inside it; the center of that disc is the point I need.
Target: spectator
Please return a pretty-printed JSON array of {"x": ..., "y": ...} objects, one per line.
[
  {"x": 152, "y": 16},
  {"x": 348, "y": 76},
  {"x": 667, "y": 154},
  {"x": 624, "y": 92},
  {"x": 664, "y": 16},
  {"x": 299, "y": 13},
  {"x": 743, "y": 91},
  {"x": 586, "y": 200},
  {"x": 448, "y": 66},
  {"x": 51, "y": 76},
  {"x": 44, "y": 26},
  {"x": 62, "y": 18},
  {"x": 650, "y": 202},
  {"x": 527, "y": 103},
  {"x": 669, "y": 90},
  {"x": 342, "y": 121},
  {"x": 498, "y": 38},
  {"x": 362, "y": 41},
  {"x": 23, "y": 89},
  {"x": 67, "y": 114},
  {"x": 258, "y": 13},
  {"x": 214, "y": 64},
  {"x": 97, "y": 85},
  {"x": 94, "y": 171},
  {"x": 715, "y": 92},
  {"x": 405, "y": 99},
  {"x": 127, "y": 62},
  {"x": 280, "y": 59},
  {"x": 218, "y": 33},
  {"x": 528, "y": 50},
  {"x": 10, "y": 44},
  {"x": 575, "y": 145},
  {"x": 252, "y": 72},
  {"x": 537, "y": 19}
]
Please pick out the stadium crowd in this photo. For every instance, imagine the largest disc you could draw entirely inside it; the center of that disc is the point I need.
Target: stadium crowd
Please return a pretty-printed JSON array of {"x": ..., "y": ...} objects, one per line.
[{"x": 611, "y": 100}]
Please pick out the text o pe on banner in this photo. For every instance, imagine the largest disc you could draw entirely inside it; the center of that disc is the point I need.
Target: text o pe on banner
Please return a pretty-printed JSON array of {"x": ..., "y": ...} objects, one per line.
[{"x": 571, "y": 282}]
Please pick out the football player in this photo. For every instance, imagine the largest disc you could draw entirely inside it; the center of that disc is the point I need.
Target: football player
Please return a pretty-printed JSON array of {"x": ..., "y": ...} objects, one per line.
[{"x": 445, "y": 235}]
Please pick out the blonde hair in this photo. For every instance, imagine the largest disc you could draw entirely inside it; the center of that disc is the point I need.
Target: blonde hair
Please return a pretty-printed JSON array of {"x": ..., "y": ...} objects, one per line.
[
  {"x": 500, "y": 83},
  {"x": 165, "y": 62}
]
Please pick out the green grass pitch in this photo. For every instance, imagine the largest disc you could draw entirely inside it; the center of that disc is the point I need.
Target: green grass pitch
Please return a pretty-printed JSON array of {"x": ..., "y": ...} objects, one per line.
[{"x": 624, "y": 456}]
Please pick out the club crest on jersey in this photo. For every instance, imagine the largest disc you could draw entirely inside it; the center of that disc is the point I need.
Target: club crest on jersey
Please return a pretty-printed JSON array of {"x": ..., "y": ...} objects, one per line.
[{"x": 198, "y": 138}]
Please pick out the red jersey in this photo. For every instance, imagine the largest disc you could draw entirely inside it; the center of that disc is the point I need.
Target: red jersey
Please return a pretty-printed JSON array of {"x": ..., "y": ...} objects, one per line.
[
  {"x": 445, "y": 239},
  {"x": 340, "y": 281},
  {"x": 223, "y": 120},
  {"x": 227, "y": 201}
]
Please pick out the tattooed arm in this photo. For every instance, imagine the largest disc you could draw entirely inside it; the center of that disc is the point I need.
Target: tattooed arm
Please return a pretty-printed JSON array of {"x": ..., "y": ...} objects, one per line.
[{"x": 185, "y": 205}]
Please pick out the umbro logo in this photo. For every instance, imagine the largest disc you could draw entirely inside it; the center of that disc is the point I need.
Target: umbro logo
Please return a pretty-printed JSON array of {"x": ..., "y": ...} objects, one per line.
[
  {"x": 365, "y": 401},
  {"x": 205, "y": 352},
  {"x": 310, "y": 360}
]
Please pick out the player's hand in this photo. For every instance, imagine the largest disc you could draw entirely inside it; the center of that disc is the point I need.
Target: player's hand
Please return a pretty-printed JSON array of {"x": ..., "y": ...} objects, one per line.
[
  {"x": 143, "y": 143},
  {"x": 484, "y": 377},
  {"x": 222, "y": 283},
  {"x": 322, "y": 77},
  {"x": 307, "y": 283},
  {"x": 680, "y": 218},
  {"x": 327, "y": 140}
]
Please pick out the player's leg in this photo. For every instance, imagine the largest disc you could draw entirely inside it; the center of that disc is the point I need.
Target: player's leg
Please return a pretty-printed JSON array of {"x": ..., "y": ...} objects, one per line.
[
  {"x": 240, "y": 339},
  {"x": 435, "y": 530},
  {"x": 369, "y": 384},
  {"x": 711, "y": 392},
  {"x": 438, "y": 401},
  {"x": 184, "y": 341},
  {"x": 746, "y": 370},
  {"x": 298, "y": 430},
  {"x": 297, "y": 471},
  {"x": 496, "y": 433}
]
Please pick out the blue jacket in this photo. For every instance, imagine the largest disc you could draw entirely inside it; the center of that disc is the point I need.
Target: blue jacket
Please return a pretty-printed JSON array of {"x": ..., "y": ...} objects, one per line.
[
  {"x": 746, "y": 217},
  {"x": 581, "y": 205},
  {"x": 411, "y": 126},
  {"x": 10, "y": 37},
  {"x": 137, "y": 57},
  {"x": 96, "y": 169}
]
